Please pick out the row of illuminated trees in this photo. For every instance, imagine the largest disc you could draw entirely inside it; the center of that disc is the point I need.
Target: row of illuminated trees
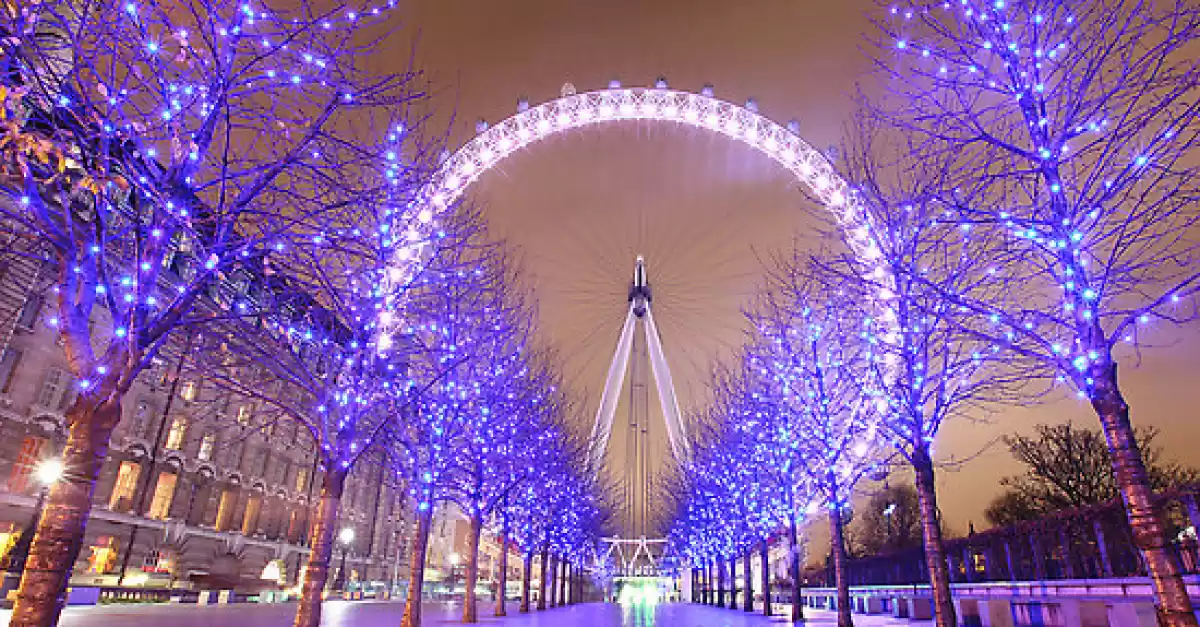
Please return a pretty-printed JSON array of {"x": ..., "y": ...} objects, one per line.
[
  {"x": 1028, "y": 174},
  {"x": 225, "y": 181}
]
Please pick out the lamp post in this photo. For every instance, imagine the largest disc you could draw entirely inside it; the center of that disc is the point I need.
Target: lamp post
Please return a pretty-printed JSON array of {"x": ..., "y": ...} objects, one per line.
[
  {"x": 48, "y": 472},
  {"x": 346, "y": 536},
  {"x": 887, "y": 517},
  {"x": 454, "y": 559}
]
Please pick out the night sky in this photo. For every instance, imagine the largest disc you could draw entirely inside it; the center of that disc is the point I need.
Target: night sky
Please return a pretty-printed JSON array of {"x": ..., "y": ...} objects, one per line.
[{"x": 706, "y": 212}]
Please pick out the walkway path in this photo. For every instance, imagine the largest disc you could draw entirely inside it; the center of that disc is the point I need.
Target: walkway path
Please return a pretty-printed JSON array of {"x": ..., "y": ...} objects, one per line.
[{"x": 370, "y": 614}]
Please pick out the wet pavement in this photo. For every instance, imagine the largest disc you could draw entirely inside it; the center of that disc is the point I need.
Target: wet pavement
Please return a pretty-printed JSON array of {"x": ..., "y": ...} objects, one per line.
[{"x": 387, "y": 614}]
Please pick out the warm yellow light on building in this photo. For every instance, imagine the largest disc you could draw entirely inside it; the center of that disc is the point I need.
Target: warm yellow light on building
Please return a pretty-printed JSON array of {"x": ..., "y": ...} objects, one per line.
[{"x": 273, "y": 571}]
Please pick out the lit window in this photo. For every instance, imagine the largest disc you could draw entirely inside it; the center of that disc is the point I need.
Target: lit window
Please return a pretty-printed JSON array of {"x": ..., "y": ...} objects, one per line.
[
  {"x": 225, "y": 510},
  {"x": 250, "y": 520},
  {"x": 206, "y": 447},
  {"x": 159, "y": 561},
  {"x": 9, "y": 534},
  {"x": 295, "y": 525},
  {"x": 122, "y": 494},
  {"x": 176, "y": 434},
  {"x": 301, "y": 480},
  {"x": 164, "y": 493},
  {"x": 103, "y": 556},
  {"x": 188, "y": 393},
  {"x": 243, "y": 415}
]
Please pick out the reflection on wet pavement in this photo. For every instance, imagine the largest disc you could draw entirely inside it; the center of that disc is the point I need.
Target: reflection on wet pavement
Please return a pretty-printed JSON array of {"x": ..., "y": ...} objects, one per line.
[{"x": 387, "y": 614}]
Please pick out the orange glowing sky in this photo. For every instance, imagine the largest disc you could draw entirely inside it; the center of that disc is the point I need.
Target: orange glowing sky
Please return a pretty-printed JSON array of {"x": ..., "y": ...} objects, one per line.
[{"x": 706, "y": 212}]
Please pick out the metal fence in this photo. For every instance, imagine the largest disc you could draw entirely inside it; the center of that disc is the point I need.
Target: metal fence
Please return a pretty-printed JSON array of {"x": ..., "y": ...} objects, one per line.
[{"x": 1086, "y": 543}]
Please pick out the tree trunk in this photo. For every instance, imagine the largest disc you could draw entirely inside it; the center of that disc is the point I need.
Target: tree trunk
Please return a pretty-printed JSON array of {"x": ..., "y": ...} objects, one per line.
[
  {"x": 416, "y": 571},
  {"x": 931, "y": 534},
  {"x": 794, "y": 566},
  {"x": 470, "y": 612},
  {"x": 541, "y": 602},
  {"x": 1149, "y": 535},
  {"x": 714, "y": 583},
  {"x": 564, "y": 588},
  {"x": 709, "y": 587},
  {"x": 731, "y": 580},
  {"x": 721, "y": 583},
  {"x": 748, "y": 578},
  {"x": 526, "y": 579},
  {"x": 765, "y": 567},
  {"x": 838, "y": 546},
  {"x": 61, "y": 527},
  {"x": 553, "y": 583},
  {"x": 731, "y": 574},
  {"x": 316, "y": 573},
  {"x": 502, "y": 576}
]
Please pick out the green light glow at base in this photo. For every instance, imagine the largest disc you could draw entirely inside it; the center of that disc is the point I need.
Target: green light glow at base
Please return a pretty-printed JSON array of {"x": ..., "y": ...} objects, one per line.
[{"x": 638, "y": 591}]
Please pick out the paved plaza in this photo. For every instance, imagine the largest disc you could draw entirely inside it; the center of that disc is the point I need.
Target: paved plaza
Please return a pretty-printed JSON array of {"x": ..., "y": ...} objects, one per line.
[{"x": 370, "y": 614}]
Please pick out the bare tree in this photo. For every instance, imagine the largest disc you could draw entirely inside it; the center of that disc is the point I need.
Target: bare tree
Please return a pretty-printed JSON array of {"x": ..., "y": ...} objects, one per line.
[
  {"x": 818, "y": 352},
  {"x": 793, "y": 429},
  {"x": 890, "y": 520},
  {"x": 1074, "y": 129},
  {"x": 308, "y": 338},
  {"x": 564, "y": 507},
  {"x": 933, "y": 367},
  {"x": 504, "y": 444},
  {"x": 149, "y": 148},
  {"x": 468, "y": 328},
  {"x": 1066, "y": 466}
]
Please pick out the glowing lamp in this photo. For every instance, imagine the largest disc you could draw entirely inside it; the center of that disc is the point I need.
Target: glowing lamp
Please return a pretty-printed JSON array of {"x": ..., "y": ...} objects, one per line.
[{"x": 50, "y": 471}]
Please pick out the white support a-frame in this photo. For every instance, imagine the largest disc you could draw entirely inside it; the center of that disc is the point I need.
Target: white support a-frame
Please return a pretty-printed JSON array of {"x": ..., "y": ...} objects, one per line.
[
  {"x": 625, "y": 553},
  {"x": 639, "y": 311}
]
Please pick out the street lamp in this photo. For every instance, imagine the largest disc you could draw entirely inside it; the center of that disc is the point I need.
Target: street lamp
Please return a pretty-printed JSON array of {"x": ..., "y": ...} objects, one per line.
[
  {"x": 454, "y": 559},
  {"x": 47, "y": 472},
  {"x": 346, "y": 536},
  {"x": 887, "y": 516}
]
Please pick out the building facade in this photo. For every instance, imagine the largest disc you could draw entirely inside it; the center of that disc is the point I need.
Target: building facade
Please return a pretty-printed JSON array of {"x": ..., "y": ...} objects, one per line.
[
  {"x": 449, "y": 541},
  {"x": 200, "y": 488}
]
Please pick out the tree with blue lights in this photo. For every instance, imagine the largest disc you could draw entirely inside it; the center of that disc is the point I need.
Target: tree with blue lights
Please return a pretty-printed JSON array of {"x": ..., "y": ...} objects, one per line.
[
  {"x": 506, "y": 441},
  {"x": 458, "y": 324},
  {"x": 528, "y": 530},
  {"x": 932, "y": 367},
  {"x": 1072, "y": 126},
  {"x": 776, "y": 455},
  {"x": 558, "y": 511},
  {"x": 741, "y": 487},
  {"x": 308, "y": 334},
  {"x": 817, "y": 356},
  {"x": 149, "y": 148},
  {"x": 577, "y": 514},
  {"x": 757, "y": 470},
  {"x": 482, "y": 429}
]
